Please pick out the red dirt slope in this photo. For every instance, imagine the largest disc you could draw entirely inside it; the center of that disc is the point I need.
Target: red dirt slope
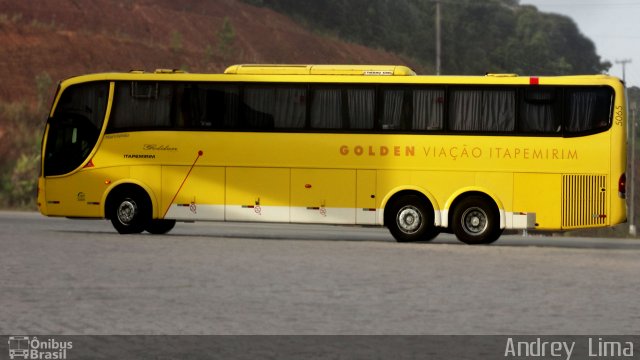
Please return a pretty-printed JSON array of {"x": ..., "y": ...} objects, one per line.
[{"x": 63, "y": 38}]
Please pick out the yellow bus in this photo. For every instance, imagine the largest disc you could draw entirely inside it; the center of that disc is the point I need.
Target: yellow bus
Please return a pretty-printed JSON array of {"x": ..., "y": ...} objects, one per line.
[{"x": 338, "y": 144}]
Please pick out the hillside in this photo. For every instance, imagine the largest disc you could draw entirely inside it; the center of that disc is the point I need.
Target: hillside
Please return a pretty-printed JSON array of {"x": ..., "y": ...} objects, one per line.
[
  {"x": 477, "y": 37},
  {"x": 42, "y": 42},
  {"x": 63, "y": 38}
]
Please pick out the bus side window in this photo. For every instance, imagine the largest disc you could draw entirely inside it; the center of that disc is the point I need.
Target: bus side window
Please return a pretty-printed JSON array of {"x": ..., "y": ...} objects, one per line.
[
  {"x": 393, "y": 103},
  {"x": 219, "y": 109},
  {"x": 418, "y": 109},
  {"x": 274, "y": 107},
  {"x": 428, "y": 109},
  {"x": 210, "y": 106},
  {"x": 258, "y": 106},
  {"x": 482, "y": 109},
  {"x": 139, "y": 106},
  {"x": 587, "y": 109},
  {"x": 361, "y": 104},
  {"x": 326, "y": 108},
  {"x": 187, "y": 109},
  {"x": 343, "y": 108},
  {"x": 539, "y": 110},
  {"x": 277, "y": 107},
  {"x": 290, "y": 107}
]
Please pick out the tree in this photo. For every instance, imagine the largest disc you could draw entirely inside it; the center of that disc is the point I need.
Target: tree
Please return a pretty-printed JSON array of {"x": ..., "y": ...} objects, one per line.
[
  {"x": 477, "y": 36},
  {"x": 226, "y": 39}
]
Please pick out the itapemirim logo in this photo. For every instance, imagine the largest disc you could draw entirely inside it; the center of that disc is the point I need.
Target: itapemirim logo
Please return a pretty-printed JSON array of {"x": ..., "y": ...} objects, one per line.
[{"x": 32, "y": 348}]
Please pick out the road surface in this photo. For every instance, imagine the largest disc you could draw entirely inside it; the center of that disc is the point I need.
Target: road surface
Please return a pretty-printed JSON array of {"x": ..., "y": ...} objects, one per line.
[{"x": 63, "y": 276}]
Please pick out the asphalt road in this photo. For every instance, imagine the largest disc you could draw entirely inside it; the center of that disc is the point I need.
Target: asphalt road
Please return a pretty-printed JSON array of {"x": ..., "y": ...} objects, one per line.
[{"x": 61, "y": 276}]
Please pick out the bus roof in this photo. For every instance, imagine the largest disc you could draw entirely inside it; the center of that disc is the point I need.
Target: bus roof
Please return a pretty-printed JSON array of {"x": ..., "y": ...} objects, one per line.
[
  {"x": 381, "y": 74},
  {"x": 262, "y": 69}
]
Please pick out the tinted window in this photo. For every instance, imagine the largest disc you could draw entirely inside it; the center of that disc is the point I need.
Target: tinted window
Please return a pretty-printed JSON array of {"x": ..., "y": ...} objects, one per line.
[
  {"x": 540, "y": 110},
  {"x": 361, "y": 105},
  {"x": 342, "y": 108},
  {"x": 207, "y": 106},
  {"x": 326, "y": 109},
  {"x": 142, "y": 105},
  {"x": 266, "y": 107},
  {"x": 88, "y": 101},
  {"x": 428, "y": 108},
  {"x": 75, "y": 127},
  {"x": 154, "y": 105},
  {"x": 418, "y": 109},
  {"x": 394, "y": 110},
  {"x": 535, "y": 110},
  {"x": 491, "y": 110},
  {"x": 587, "y": 109}
]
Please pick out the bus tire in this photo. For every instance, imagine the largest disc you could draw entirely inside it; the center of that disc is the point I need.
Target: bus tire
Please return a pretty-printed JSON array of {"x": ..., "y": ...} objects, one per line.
[
  {"x": 130, "y": 212},
  {"x": 476, "y": 221},
  {"x": 410, "y": 218},
  {"x": 160, "y": 226}
]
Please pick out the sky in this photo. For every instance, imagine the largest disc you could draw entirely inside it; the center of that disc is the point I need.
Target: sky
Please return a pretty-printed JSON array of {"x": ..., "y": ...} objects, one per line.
[{"x": 612, "y": 25}]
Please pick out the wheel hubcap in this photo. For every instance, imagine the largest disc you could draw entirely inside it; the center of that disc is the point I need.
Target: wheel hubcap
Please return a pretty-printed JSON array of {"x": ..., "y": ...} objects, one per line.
[
  {"x": 475, "y": 221},
  {"x": 409, "y": 219},
  {"x": 127, "y": 211}
]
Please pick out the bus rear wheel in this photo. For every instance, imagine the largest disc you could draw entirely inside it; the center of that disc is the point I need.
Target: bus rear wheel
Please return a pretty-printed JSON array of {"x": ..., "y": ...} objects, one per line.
[
  {"x": 410, "y": 218},
  {"x": 476, "y": 221},
  {"x": 130, "y": 213},
  {"x": 160, "y": 226}
]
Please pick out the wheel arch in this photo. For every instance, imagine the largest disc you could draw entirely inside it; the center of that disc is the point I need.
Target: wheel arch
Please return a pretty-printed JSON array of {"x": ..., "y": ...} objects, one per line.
[
  {"x": 134, "y": 185},
  {"x": 411, "y": 190},
  {"x": 463, "y": 193}
]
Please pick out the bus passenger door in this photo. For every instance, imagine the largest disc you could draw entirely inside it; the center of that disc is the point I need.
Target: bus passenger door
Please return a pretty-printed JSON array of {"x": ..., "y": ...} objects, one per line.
[{"x": 323, "y": 196}]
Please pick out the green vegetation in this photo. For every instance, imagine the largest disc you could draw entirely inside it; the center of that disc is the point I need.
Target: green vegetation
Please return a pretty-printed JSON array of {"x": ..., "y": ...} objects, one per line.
[
  {"x": 477, "y": 36},
  {"x": 20, "y": 137},
  {"x": 226, "y": 40},
  {"x": 19, "y": 167},
  {"x": 43, "y": 86},
  {"x": 225, "y": 43},
  {"x": 176, "y": 41},
  {"x": 6, "y": 19}
]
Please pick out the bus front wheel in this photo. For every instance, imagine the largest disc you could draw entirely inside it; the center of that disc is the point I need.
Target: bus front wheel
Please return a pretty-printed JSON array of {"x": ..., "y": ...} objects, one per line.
[
  {"x": 476, "y": 221},
  {"x": 130, "y": 212},
  {"x": 410, "y": 218}
]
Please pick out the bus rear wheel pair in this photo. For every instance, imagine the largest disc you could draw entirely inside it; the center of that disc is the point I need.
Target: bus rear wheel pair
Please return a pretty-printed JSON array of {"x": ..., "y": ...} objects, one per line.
[
  {"x": 475, "y": 220},
  {"x": 130, "y": 213}
]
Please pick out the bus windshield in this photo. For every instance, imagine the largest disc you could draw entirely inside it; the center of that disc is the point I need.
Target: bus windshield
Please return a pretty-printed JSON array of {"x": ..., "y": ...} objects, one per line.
[{"x": 75, "y": 127}]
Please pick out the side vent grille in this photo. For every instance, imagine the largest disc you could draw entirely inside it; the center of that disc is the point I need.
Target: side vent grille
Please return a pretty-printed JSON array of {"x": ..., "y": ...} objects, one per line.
[{"x": 584, "y": 201}]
